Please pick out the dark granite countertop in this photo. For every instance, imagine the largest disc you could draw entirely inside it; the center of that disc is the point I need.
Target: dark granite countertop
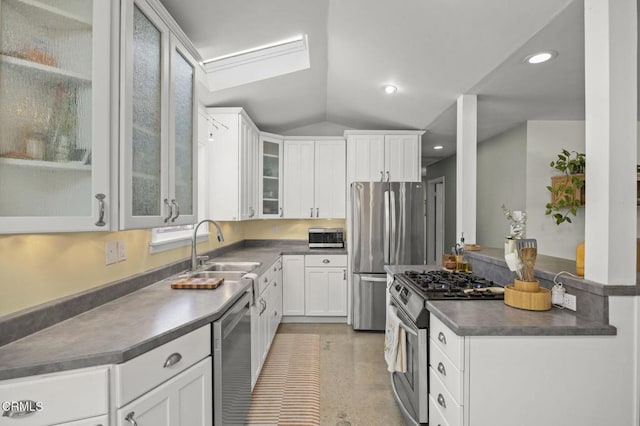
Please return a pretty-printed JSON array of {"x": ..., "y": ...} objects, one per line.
[
  {"x": 494, "y": 318},
  {"x": 133, "y": 324}
]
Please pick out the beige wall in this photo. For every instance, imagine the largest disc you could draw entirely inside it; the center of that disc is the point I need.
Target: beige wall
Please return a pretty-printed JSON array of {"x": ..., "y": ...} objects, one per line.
[{"x": 38, "y": 268}]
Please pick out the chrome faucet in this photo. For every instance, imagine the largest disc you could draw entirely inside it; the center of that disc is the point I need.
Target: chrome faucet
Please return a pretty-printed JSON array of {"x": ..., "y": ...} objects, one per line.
[{"x": 194, "y": 254}]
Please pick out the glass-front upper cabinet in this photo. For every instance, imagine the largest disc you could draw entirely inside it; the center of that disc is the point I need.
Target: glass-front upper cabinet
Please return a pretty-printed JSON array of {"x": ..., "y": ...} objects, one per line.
[
  {"x": 270, "y": 176},
  {"x": 55, "y": 128},
  {"x": 158, "y": 123}
]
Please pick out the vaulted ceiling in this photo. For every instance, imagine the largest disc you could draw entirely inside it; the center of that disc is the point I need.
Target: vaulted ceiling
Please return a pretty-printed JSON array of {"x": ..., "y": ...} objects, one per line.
[{"x": 432, "y": 50}]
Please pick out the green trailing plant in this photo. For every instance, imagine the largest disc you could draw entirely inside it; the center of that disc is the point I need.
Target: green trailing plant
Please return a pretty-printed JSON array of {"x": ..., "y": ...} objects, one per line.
[{"x": 566, "y": 191}]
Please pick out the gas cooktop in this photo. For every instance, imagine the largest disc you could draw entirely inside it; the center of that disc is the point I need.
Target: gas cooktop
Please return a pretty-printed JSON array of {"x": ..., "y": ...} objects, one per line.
[{"x": 447, "y": 285}]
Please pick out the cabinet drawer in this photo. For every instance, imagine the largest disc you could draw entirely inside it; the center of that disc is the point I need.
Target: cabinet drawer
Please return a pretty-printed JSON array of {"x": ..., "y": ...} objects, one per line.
[
  {"x": 139, "y": 375},
  {"x": 333, "y": 260},
  {"x": 269, "y": 275},
  {"x": 436, "y": 418},
  {"x": 62, "y": 397},
  {"x": 444, "y": 338},
  {"x": 442, "y": 367},
  {"x": 440, "y": 397}
]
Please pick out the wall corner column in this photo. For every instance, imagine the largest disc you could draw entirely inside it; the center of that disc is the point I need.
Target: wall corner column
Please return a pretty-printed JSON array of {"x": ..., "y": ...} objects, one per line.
[
  {"x": 611, "y": 140},
  {"x": 466, "y": 167}
]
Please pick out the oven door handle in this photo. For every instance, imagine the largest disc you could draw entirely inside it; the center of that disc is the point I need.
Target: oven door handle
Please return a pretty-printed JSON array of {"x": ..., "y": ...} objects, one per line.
[{"x": 409, "y": 329}]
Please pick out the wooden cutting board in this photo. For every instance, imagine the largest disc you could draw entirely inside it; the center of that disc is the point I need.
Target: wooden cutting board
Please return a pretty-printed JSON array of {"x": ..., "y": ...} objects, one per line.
[{"x": 197, "y": 283}]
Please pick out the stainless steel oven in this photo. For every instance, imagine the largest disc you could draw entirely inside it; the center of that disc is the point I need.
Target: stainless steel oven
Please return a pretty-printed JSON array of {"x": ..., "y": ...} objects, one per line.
[{"x": 411, "y": 388}]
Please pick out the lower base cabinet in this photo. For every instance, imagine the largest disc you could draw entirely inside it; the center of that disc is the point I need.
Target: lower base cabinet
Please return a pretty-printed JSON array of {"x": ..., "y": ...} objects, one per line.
[
  {"x": 266, "y": 315},
  {"x": 325, "y": 285},
  {"x": 186, "y": 399},
  {"x": 93, "y": 421},
  {"x": 57, "y": 399}
]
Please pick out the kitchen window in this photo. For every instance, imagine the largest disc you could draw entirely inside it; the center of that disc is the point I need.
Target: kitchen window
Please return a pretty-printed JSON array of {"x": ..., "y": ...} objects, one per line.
[{"x": 170, "y": 237}]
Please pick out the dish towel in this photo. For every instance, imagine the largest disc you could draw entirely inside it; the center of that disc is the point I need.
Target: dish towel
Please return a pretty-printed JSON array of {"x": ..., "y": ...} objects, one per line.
[{"x": 395, "y": 343}]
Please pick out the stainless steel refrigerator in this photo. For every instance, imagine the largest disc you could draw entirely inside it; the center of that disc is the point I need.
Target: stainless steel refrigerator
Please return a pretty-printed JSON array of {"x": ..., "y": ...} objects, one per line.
[{"x": 387, "y": 227}]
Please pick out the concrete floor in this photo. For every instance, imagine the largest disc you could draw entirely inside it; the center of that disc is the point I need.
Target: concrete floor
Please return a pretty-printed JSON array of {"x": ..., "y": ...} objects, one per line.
[{"x": 354, "y": 382}]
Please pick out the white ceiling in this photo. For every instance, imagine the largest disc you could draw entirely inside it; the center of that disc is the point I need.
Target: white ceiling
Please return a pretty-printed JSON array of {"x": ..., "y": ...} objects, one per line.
[{"x": 433, "y": 50}]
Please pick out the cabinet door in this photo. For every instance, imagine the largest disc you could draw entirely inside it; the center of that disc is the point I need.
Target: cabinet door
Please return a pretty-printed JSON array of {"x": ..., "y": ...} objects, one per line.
[
  {"x": 402, "y": 158},
  {"x": 185, "y": 399},
  {"x": 298, "y": 179},
  {"x": 326, "y": 292},
  {"x": 293, "y": 285},
  {"x": 144, "y": 118},
  {"x": 183, "y": 153},
  {"x": 271, "y": 177},
  {"x": 330, "y": 179},
  {"x": 250, "y": 173},
  {"x": 55, "y": 125},
  {"x": 365, "y": 158},
  {"x": 256, "y": 345},
  {"x": 93, "y": 421}
]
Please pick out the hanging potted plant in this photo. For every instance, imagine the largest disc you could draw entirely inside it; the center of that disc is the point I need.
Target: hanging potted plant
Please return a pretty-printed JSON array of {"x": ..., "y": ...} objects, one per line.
[{"x": 567, "y": 190}]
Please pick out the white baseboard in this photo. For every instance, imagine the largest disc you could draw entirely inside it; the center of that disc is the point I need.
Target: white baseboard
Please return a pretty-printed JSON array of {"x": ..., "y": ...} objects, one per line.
[{"x": 316, "y": 320}]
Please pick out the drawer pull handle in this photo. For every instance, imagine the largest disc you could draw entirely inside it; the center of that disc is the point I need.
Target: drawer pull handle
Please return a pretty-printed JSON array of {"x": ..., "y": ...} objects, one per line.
[
  {"x": 168, "y": 204},
  {"x": 441, "y": 369},
  {"x": 129, "y": 419},
  {"x": 442, "y": 339},
  {"x": 173, "y": 359},
  {"x": 325, "y": 261},
  {"x": 441, "y": 401},
  {"x": 23, "y": 408}
]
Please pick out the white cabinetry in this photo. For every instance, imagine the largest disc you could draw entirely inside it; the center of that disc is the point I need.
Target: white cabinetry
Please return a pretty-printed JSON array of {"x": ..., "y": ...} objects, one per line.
[
  {"x": 164, "y": 387},
  {"x": 62, "y": 397},
  {"x": 314, "y": 184},
  {"x": 186, "y": 399},
  {"x": 233, "y": 165},
  {"x": 325, "y": 285},
  {"x": 293, "y": 285},
  {"x": 270, "y": 175},
  {"x": 392, "y": 156},
  {"x": 266, "y": 315},
  {"x": 158, "y": 122},
  {"x": 56, "y": 86}
]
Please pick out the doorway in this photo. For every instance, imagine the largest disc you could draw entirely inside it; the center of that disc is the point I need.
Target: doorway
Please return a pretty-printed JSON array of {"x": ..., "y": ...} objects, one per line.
[{"x": 435, "y": 220}]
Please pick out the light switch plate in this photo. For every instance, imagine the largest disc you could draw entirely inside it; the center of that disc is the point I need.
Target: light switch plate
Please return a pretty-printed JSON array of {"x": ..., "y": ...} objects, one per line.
[
  {"x": 110, "y": 252},
  {"x": 122, "y": 251}
]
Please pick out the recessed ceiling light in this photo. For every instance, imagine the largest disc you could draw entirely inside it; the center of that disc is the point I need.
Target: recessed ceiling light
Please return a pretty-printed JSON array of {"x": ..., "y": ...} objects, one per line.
[
  {"x": 438, "y": 147},
  {"x": 540, "y": 57},
  {"x": 390, "y": 89}
]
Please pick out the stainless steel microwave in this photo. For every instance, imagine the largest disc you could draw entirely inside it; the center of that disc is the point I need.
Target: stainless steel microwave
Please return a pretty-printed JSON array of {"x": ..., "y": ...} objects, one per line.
[{"x": 326, "y": 238}]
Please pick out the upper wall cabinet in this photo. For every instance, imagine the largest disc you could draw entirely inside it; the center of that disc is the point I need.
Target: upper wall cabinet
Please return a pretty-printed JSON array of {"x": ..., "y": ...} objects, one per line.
[
  {"x": 233, "y": 165},
  {"x": 158, "y": 123},
  {"x": 314, "y": 178},
  {"x": 271, "y": 175},
  {"x": 391, "y": 156},
  {"x": 55, "y": 129}
]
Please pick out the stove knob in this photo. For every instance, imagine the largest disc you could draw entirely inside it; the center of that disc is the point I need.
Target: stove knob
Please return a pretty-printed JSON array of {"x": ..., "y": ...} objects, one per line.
[{"x": 398, "y": 287}]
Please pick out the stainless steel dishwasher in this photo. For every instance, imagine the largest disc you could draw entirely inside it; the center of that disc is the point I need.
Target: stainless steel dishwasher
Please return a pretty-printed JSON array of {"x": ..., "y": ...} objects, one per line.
[{"x": 232, "y": 364}]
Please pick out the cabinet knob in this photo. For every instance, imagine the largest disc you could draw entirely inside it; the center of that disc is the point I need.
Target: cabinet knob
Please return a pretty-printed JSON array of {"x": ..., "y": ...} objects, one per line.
[
  {"x": 173, "y": 359},
  {"x": 100, "y": 198},
  {"x": 442, "y": 339},
  {"x": 441, "y": 369},
  {"x": 325, "y": 261},
  {"x": 23, "y": 408},
  {"x": 441, "y": 401},
  {"x": 177, "y": 206},
  {"x": 166, "y": 202},
  {"x": 129, "y": 419}
]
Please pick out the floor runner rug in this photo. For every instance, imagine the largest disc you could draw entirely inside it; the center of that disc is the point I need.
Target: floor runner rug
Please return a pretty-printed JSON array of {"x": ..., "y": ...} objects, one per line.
[{"x": 288, "y": 389}]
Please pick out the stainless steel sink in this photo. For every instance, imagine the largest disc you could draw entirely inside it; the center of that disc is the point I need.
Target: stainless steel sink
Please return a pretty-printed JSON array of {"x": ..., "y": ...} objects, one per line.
[
  {"x": 232, "y": 266},
  {"x": 227, "y": 275}
]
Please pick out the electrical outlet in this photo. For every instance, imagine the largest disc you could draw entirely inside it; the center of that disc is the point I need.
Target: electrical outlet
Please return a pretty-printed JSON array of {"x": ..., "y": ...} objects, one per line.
[
  {"x": 110, "y": 252},
  {"x": 570, "y": 301},
  {"x": 122, "y": 251}
]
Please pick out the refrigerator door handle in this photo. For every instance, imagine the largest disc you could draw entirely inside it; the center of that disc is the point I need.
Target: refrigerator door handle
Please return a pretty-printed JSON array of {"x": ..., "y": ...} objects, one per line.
[
  {"x": 386, "y": 227},
  {"x": 393, "y": 236}
]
